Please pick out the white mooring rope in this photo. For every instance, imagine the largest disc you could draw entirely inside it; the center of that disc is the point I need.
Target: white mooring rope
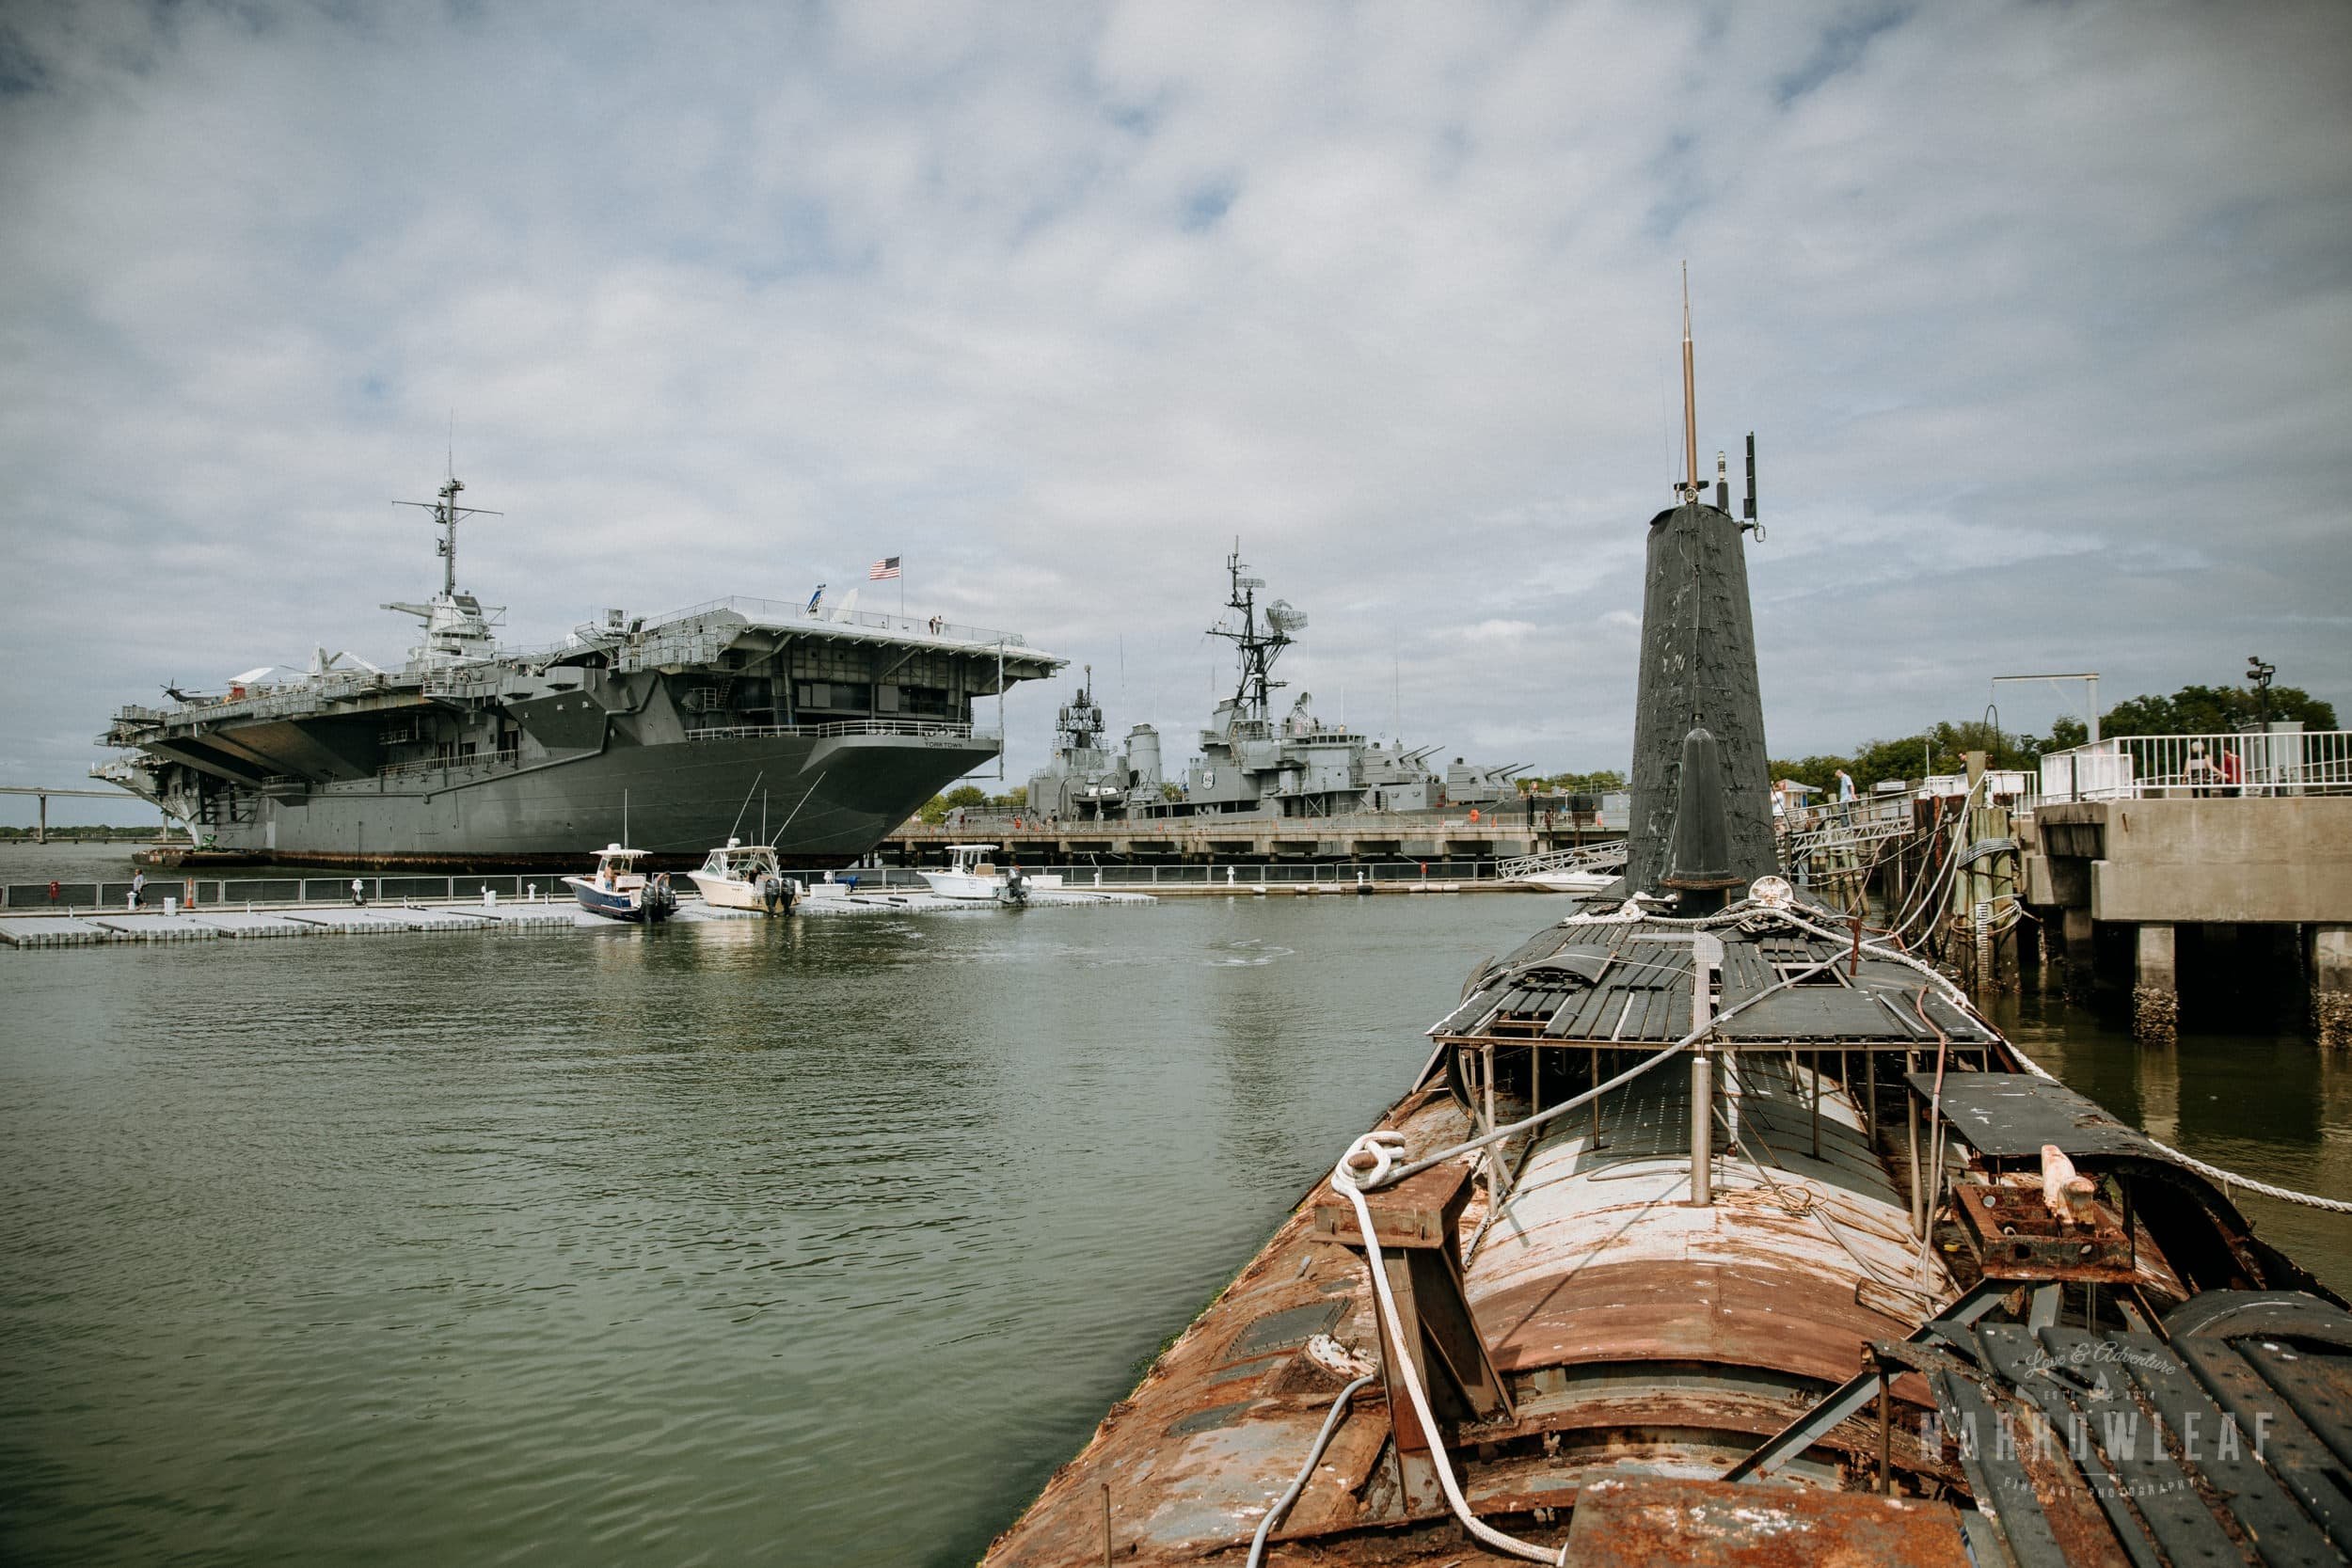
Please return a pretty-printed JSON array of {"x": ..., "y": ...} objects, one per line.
[{"x": 1371, "y": 1157}]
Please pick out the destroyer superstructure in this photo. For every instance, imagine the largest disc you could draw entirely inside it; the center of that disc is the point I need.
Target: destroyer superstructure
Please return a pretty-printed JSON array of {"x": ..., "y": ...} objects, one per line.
[
  {"x": 1252, "y": 762},
  {"x": 1297, "y": 765},
  {"x": 828, "y": 725}
]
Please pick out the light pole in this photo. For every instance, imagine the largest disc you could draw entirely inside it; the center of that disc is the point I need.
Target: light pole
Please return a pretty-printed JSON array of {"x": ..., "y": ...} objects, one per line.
[{"x": 2261, "y": 674}]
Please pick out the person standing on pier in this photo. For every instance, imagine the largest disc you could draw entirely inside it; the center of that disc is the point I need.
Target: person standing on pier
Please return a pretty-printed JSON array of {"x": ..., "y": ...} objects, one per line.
[
  {"x": 2201, "y": 771},
  {"x": 1845, "y": 793},
  {"x": 139, "y": 888}
]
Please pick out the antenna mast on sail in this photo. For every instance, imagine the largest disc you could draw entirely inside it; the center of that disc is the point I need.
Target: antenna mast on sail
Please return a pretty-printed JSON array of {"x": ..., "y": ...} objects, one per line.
[{"x": 1689, "y": 490}]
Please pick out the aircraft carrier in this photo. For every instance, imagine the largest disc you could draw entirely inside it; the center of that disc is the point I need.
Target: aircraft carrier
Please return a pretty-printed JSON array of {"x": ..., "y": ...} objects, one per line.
[{"x": 819, "y": 727}]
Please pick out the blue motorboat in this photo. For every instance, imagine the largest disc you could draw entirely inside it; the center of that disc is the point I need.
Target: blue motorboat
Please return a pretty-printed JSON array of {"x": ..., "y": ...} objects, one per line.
[{"x": 618, "y": 890}]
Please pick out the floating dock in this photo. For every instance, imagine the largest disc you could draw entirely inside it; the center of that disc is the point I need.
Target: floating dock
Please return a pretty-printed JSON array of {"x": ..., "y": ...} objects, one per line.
[
  {"x": 311, "y": 920},
  {"x": 91, "y": 929},
  {"x": 911, "y": 901}
]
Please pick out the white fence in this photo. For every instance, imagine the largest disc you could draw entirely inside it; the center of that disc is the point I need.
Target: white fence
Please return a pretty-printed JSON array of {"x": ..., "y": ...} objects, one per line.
[{"x": 2186, "y": 767}]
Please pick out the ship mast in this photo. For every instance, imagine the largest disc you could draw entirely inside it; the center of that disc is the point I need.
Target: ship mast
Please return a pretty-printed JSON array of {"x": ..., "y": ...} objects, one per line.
[
  {"x": 446, "y": 512},
  {"x": 455, "y": 627},
  {"x": 1258, "y": 650}
]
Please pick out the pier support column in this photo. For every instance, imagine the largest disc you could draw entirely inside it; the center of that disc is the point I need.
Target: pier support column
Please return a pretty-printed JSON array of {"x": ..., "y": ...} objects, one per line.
[
  {"x": 2155, "y": 991},
  {"x": 2332, "y": 983},
  {"x": 2080, "y": 976}
]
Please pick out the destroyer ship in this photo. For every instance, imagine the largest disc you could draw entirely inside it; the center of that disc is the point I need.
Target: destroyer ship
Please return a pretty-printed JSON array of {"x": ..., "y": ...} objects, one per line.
[
  {"x": 1252, "y": 762},
  {"x": 822, "y": 727},
  {"x": 1719, "y": 1229}
]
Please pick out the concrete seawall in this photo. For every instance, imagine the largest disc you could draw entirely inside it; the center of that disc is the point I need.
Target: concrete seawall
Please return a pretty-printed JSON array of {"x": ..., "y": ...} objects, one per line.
[{"x": 2276, "y": 869}]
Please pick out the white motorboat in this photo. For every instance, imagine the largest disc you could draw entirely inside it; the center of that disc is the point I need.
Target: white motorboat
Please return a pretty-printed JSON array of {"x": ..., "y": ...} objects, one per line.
[
  {"x": 744, "y": 877},
  {"x": 619, "y": 890},
  {"x": 970, "y": 877},
  {"x": 1584, "y": 883}
]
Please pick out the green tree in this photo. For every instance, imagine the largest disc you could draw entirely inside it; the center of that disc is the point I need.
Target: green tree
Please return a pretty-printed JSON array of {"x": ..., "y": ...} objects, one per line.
[
  {"x": 2214, "y": 710},
  {"x": 967, "y": 796},
  {"x": 1941, "y": 748},
  {"x": 1819, "y": 771},
  {"x": 1599, "y": 781}
]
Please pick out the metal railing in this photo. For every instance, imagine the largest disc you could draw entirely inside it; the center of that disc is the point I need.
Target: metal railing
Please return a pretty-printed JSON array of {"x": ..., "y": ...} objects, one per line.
[
  {"x": 264, "y": 701},
  {"x": 1172, "y": 819},
  {"x": 1826, "y": 827},
  {"x": 787, "y": 612},
  {"x": 1591, "y": 857},
  {"x": 936, "y": 729},
  {"x": 2194, "y": 766},
  {"x": 478, "y": 763}
]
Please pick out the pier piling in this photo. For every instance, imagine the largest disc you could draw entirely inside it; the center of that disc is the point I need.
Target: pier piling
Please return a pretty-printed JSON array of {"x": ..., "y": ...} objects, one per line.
[
  {"x": 2332, "y": 984},
  {"x": 2156, "y": 988},
  {"x": 2078, "y": 959}
]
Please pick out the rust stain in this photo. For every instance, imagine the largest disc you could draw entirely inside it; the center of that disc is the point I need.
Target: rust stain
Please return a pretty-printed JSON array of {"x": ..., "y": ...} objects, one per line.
[
  {"x": 1756, "y": 1316},
  {"x": 1648, "y": 1522}
]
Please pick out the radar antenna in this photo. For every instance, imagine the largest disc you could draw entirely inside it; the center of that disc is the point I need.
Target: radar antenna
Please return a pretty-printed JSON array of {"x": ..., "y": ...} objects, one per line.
[
  {"x": 446, "y": 512},
  {"x": 1258, "y": 650}
]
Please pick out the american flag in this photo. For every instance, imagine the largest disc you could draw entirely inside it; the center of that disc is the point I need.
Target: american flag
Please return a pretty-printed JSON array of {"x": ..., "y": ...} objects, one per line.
[{"x": 886, "y": 567}]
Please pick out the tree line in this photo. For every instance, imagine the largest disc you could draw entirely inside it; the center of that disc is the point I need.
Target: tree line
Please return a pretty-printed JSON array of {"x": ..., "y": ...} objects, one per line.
[{"x": 1943, "y": 748}]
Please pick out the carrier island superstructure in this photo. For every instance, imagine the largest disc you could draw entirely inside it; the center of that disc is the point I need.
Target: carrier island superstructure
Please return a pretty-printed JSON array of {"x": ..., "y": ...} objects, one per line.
[{"x": 818, "y": 726}]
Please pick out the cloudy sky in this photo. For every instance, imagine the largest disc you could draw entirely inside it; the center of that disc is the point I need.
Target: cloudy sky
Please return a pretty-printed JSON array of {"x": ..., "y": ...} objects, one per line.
[{"x": 2041, "y": 313}]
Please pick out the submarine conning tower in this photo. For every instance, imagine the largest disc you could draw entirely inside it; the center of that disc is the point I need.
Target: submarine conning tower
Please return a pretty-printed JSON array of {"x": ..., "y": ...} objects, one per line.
[
  {"x": 1698, "y": 672},
  {"x": 1698, "y": 717}
]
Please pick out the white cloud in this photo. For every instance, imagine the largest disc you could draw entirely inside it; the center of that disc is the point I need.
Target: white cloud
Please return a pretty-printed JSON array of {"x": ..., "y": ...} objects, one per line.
[
  {"x": 2041, "y": 316},
  {"x": 1496, "y": 631}
]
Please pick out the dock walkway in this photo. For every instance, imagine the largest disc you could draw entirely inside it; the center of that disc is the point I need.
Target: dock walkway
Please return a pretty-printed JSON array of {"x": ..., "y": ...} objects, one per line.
[{"x": 312, "y": 920}]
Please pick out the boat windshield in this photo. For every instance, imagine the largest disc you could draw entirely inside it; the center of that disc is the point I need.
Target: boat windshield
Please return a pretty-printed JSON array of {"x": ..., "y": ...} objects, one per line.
[{"x": 741, "y": 863}]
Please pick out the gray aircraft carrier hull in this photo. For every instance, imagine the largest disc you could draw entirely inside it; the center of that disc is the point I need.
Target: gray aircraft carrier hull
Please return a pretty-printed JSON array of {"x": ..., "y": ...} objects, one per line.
[{"x": 826, "y": 801}]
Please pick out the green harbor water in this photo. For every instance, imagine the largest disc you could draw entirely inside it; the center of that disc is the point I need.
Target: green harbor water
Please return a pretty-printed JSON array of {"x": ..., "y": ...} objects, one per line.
[{"x": 817, "y": 1241}]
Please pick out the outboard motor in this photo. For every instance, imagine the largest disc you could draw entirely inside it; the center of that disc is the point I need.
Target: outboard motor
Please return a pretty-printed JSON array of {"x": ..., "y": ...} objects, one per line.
[
  {"x": 775, "y": 895},
  {"x": 660, "y": 902},
  {"x": 1016, "y": 888}
]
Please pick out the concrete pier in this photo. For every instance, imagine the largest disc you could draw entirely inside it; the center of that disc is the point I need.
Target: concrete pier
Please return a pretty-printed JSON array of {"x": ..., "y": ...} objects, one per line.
[
  {"x": 2156, "y": 986},
  {"x": 2225, "y": 867}
]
